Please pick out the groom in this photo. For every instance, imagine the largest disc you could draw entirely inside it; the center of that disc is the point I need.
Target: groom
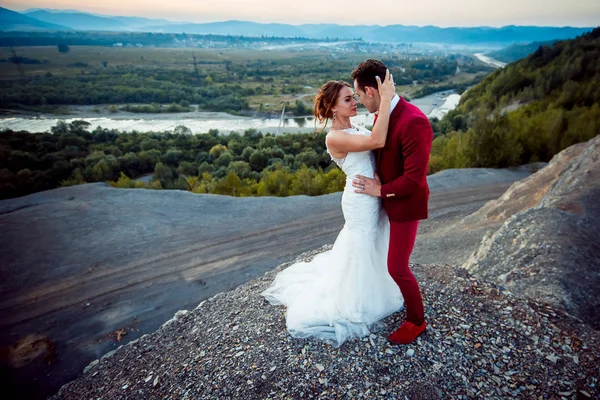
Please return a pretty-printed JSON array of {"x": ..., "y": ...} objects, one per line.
[{"x": 401, "y": 182}]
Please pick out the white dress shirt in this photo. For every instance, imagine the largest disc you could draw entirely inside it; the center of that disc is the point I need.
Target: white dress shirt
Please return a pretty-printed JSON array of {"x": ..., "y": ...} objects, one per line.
[
  {"x": 393, "y": 104},
  {"x": 395, "y": 101}
]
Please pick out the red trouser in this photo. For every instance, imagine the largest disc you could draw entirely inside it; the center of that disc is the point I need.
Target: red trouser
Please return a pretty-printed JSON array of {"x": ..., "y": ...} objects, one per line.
[{"x": 402, "y": 241}]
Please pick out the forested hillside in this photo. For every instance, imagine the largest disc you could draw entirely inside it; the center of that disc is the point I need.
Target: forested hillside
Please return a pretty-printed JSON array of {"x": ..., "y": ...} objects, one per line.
[
  {"x": 526, "y": 112},
  {"x": 515, "y": 52}
]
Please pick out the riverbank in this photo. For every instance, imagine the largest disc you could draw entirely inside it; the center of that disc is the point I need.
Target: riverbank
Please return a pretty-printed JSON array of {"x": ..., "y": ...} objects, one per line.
[{"x": 434, "y": 105}]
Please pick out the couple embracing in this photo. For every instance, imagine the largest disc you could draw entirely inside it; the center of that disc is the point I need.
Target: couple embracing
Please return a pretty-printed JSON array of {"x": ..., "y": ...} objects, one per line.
[{"x": 366, "y": 276}]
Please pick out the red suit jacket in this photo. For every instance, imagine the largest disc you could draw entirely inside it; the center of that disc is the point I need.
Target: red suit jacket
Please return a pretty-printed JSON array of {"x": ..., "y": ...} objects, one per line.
[{"x": 402, "y": 164}]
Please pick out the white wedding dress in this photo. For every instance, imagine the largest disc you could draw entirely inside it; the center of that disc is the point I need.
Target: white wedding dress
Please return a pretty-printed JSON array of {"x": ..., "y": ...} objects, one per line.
[{"x": 341, "y": 293}]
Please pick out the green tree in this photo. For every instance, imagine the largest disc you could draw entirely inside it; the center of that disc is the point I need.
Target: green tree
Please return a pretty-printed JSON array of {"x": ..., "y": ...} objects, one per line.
[
  {"x": 267, "y": 142},
  {"x": 231, "y": 185},
  {"x": 76, "y": 178},
  {"x": 258, "y": 160},
  {"x": 206, "y": 167},
  {"x": 129, "y": 163},
  {"x": 310, "y": 158},
  {"x": 23, "y": 178},
  {"x": 332, "y": 181},
  {"x": 162, "y": 173},
  {"x": 301, "y": 108},
  {"x": 149, "y": 144},
  {"x": 241, "y": 169},
  {"x": 224, "y": 159},
  {"x": 182, "y": 129},
  {"x": 187, "y": 168},
  {"x": 247, "y": 152},
  {"x": 275, "y": 183},
  {"x": 123, "y": 182},
  {"x": 193, "y": 183},
  {"x": 304, "y": 182},
  {"x": 216, "y": 151},
  {"x": 147, "y": 160},
  {"x": 206, "y": 184},
  {"x": 106, "y": 169},
  {"x": 173, "y": 157}
]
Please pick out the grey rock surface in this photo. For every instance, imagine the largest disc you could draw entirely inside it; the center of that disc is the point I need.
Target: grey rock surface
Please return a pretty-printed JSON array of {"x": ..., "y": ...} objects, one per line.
[
  {"x": 88, "y": 268},
  {"x": 548, "y": 248},
  {"x": 468, "y": 177}
]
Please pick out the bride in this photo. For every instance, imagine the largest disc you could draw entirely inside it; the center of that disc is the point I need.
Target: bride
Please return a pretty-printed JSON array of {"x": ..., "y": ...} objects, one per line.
[{"x": 342, "y": 292}]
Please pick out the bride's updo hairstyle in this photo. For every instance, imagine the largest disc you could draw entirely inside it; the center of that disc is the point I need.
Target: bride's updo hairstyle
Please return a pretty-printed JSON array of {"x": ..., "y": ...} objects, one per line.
[{"x": 325, "y": 101}]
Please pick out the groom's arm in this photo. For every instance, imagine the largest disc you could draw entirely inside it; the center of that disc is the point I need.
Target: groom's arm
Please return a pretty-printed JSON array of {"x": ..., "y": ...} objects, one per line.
[{"x": 416, "y": 147}]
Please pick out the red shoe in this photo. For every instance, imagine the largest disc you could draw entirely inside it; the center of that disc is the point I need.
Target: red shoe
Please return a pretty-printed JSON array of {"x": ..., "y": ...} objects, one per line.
[{"x": 407, "y": 333}]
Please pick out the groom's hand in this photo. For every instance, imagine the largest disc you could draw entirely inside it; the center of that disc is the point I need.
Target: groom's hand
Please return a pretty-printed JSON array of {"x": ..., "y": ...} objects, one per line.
[{"x": 369, "y": 186}]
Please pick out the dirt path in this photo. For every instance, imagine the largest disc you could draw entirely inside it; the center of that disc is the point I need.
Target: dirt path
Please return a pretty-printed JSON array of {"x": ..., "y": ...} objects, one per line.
[{"x": 90, "y": 261}]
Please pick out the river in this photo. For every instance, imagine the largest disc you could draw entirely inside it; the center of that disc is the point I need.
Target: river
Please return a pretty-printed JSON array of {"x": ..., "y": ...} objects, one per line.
[
  {"x": 435, "y": 105},
  {"x": 490, "y": 61}
]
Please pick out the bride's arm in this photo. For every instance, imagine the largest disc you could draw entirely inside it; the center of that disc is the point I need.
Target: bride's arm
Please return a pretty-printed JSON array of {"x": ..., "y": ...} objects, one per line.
[{"x": 343, "y": 142}]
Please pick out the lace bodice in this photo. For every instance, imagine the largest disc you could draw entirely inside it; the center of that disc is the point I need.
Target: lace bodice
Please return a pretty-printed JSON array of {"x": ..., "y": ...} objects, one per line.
[{"x": 356, "y": 163}]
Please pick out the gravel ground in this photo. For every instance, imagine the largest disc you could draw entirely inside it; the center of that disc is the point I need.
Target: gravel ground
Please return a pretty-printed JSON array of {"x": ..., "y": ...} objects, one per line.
[
  {"x": 97, "y": 260},
  {"x": 482, "y": 342}
]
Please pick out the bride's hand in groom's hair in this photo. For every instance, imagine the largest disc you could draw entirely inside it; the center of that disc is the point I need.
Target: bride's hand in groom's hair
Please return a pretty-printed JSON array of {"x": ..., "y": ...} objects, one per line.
[{"x": 387, "y": 89}]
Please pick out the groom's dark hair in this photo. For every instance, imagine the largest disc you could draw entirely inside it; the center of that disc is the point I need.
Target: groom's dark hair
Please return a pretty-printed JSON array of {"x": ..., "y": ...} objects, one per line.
[{"x": 364, "y": 74}]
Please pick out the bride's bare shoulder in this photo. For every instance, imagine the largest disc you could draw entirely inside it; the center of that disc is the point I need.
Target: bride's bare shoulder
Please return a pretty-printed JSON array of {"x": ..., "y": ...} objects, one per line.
[
  {"x": 335, "y": 136},
  {"x": 337, "y": 132}
]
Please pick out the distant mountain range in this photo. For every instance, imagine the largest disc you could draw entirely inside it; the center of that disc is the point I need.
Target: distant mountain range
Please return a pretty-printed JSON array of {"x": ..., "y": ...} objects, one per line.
[
  {"x": 104, "y": 22},
  {"x": 47, "y": 19},
  {"x": 79, "y": 21},
  {"x": 14, "y": 21}
]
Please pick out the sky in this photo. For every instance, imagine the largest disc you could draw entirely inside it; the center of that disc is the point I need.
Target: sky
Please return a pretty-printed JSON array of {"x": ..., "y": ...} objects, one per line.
[{"x": 444, "y": 13}]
